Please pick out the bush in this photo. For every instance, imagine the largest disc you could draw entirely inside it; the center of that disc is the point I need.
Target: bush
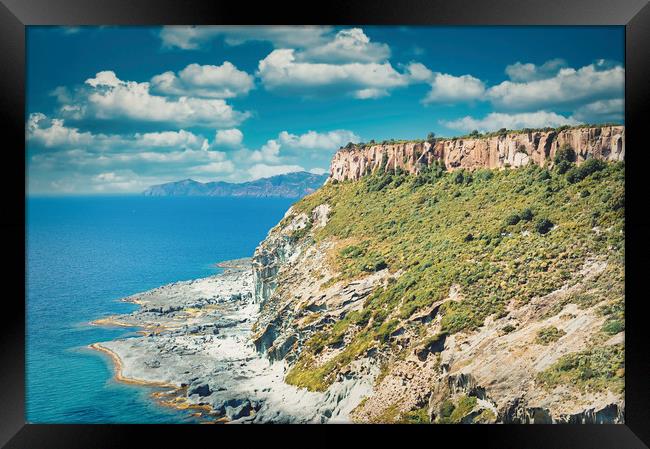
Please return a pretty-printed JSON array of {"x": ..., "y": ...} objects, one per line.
[
  {"x": 613, "y": 327},
  {"x": 513, "y": 219},
  {"x": 565, "y": 153},
  {"x": 544, "y": 225},
  {"x": 563, "y": 166},
  {"x": 526, "y": 214},
  {"x": 589, "y": 167},
  {"x": 549, "y": 335}
]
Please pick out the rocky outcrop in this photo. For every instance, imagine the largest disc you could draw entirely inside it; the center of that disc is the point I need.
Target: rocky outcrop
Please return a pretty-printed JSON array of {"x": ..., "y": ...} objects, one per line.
[{"x": 507, "y": 150}]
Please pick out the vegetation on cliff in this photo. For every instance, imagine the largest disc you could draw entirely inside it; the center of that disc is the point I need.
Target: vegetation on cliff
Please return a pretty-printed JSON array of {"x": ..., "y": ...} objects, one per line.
[{"x": 502, "y": 237}]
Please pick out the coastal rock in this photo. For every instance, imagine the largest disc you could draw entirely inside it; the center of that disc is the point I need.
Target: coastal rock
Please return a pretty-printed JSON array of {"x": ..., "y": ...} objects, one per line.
[{"x": 202, "y": 389}]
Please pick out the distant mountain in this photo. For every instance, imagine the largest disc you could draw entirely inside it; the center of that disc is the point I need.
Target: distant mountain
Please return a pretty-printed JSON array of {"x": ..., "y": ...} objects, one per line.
[{"x": 290, "y": 185}]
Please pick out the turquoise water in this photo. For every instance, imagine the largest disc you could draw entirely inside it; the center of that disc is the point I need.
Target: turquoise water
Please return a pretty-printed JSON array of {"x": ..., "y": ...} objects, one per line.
[{"x": 83, "y": 254}]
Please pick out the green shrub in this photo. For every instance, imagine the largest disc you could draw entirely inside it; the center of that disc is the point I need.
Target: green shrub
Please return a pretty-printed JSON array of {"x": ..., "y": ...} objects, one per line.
[
  {"x": 548, "y": 335},
  {"x": 352, "y": 251},
  {"x": 512, "y": 219},
  {"x": 544, "y": 225},
  {"x": 613, "y": 327},
  {"x": 589, "y": 167},
  {"x": 563, "y": 167},
  {"x": 565, "y": 153},
  {"x": 596, "y": 369},
  {"x": 447, "y": 408},
  {"x": 526, "y": 214}
]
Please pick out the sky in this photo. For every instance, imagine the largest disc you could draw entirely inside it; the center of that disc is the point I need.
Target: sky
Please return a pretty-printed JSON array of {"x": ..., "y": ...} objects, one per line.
[{"x": 114, "y": 110}]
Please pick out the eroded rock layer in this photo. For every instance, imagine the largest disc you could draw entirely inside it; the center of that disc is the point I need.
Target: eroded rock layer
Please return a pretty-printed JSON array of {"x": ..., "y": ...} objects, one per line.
[{"x": 507, "y": 150}]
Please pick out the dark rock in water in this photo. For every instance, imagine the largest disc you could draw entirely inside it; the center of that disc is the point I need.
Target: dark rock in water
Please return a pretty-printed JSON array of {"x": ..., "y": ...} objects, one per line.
[
  {"x": 244, "y": 409},
  {"x": 200, "y": 389}
]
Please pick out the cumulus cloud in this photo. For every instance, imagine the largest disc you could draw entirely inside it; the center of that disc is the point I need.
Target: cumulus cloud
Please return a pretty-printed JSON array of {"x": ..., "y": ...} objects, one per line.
[
  {"x": 54, "y": 133},
  {"x": 107, "y": 97},
  {"x": 601, "y": 111},
  {"x": 281, "y": 71},
  {"x": 269, "y": 152},
  {"x": 596, "y": 81},
  {"x": 349, "y": 45},
  {"x": 317, "y": 171},
  {"x": 313, "y": 140},
  {"x": 449, "y": 88},
  {"x": 445, "y": 88},
  {"x": 208, "y": 81},
  {"x": 193, "y": 37},
  {"x": 529, "y": 72},
  {"x": 265, "y": 171},
  {"x": 497, "y": 120},
  {"x": 229, "y": 137}
]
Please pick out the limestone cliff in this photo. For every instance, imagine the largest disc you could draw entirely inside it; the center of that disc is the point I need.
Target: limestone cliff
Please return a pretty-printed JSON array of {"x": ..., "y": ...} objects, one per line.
[{"x": 512, "y": 149}]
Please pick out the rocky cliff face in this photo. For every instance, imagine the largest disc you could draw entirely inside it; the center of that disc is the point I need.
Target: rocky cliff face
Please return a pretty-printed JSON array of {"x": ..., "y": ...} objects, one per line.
[{"x": 508, "y": 150}]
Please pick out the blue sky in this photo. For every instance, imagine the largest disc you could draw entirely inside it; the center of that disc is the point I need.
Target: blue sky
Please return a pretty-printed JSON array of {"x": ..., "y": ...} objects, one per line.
[{"x": 116, "y": 109}]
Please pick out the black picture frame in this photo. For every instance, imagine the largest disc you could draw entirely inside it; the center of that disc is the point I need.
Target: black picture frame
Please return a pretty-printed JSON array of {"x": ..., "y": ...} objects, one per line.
[{"x": 16, "y": 14}]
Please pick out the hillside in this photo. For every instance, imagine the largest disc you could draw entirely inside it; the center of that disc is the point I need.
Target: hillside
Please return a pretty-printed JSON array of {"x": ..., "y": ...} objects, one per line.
[
  {"x": 290, "y": 185},
  {"x": 466, "y": 293}
]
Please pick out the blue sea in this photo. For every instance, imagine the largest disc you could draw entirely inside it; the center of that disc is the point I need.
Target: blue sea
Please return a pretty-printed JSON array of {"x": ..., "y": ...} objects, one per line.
[{"x": 83, "y": 255}]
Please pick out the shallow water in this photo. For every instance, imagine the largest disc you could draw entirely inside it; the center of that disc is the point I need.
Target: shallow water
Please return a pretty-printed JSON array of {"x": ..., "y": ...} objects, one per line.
[{"x": 83, "y": 254}]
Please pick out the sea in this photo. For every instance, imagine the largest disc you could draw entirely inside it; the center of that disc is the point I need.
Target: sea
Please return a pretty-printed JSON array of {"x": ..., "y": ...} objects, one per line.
[{"x": 83, "y": 255}]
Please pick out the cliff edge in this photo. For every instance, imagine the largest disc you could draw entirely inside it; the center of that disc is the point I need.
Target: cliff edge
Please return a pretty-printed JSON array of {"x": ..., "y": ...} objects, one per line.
[{"x": 511, "y": 149}]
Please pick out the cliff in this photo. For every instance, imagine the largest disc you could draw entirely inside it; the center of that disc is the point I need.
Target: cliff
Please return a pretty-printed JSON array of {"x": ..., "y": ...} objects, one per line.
[
  {"x": 489, "y": 296},
  {"x": 290, "y": 185},
  {"x": 513, "y": 149}
]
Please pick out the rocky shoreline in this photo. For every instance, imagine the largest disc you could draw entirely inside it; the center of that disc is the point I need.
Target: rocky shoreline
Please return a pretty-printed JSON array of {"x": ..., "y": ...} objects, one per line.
[{"x": 195, "y": 341}]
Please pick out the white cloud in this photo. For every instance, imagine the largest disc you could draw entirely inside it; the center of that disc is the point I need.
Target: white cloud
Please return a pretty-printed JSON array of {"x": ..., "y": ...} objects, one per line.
[
  {"x": 318, "y": 171},
  {"x": 53, "y": 132},
  {"x": 210, "y": 81},
  {"x": 313, "y": 140},
  {"x": 280, "y": 71},
  {"x": 193, "y": 37},
  {"x": 529, "y": 72},
  {"x": 447, "y": 88},
  {"x": 349, "y": 45},
  {"x": 229, "y": 137},
  {"x": 418, "y": 72},
  {"x": 596, "y": 81},
  {"x": 601, "y": 111},
  {"x": 364, "y": 94},
  {"x": 174, "y": 139},
  {"x": 497, "y": 120},
  {"x": 269, "y": 152},
  {"x": 265, "y": 171},
  {"x": 105, "y": 78},
  {"x": 108, "y": 97},
  {"x": 176, "y": 161}
]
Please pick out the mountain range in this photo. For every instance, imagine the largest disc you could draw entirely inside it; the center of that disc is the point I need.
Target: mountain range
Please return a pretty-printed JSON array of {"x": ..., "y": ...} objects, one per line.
[{"x": 289, "y": 185}]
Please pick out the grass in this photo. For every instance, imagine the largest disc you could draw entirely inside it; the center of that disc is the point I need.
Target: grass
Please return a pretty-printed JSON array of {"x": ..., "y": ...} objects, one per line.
[
  {"x": 597, "y": 369},
  {"x": 419, "y": 226},
  {"x": 548, "y": 335},
  {"x": 453, "y": 413}
]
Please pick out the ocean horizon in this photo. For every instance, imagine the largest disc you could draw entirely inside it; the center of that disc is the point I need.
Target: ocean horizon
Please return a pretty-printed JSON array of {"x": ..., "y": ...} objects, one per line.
[{"x": 86, "y": 252}]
